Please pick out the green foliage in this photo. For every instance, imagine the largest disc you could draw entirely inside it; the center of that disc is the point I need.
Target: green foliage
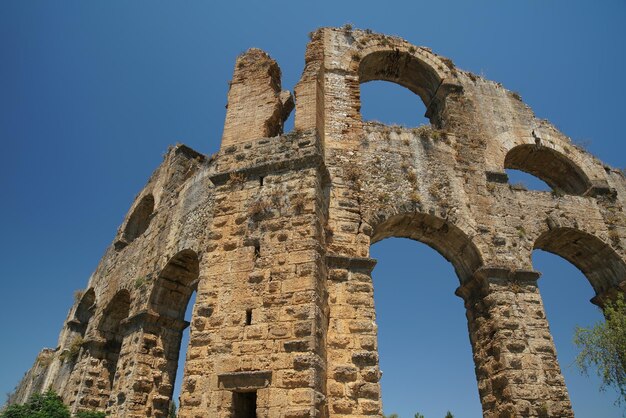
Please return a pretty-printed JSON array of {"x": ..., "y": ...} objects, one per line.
[
  {"x": 47, "y": 405},
  {"x": 172, "y": 412},
  {"x": 73, "y": 350},
  {"x": 449, "y": 415},
  {"x": 603, "y": 347},
  {"x": 418, "y": 415},
  {"x": 140, "y": 282},
  {"x": 90, "y": 414}
]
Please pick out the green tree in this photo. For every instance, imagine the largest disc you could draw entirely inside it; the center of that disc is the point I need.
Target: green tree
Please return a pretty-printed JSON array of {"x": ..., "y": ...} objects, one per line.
[
  {"x": 47, "y": 405},
  {"x": 418, "y": 415},
  {"x": 449, "y": 415},
  {"x": 603, "y": 347}
]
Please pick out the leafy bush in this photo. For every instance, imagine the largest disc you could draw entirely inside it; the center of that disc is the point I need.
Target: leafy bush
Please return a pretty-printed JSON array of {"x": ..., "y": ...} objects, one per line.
[
  {"x": 47, "y": 405},
  {"x": 73, "y": 350},
  {"x": 603, "y": 348}
]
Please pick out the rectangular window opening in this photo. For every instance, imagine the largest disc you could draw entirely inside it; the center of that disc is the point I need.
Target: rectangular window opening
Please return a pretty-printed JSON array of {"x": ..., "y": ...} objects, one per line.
[
  {"x": 257, "y": 250},
  {"x": 244, "y": 404},
  {"x": 261, "y": 181},
  {"x": 249, "y": 317}
]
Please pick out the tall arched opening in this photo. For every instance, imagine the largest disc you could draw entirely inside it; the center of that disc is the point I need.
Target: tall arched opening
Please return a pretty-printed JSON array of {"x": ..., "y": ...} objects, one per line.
[
  {"x": 425, "y": 353},
  {"x": 169, "y": 303},
  {"x": 422, "y": 311},
  {"x": 112, "y": 331},
  {"x": 85, "y": 311},
  {"x": 576, "y": 267},
  {"x": 353, "y": 343}
]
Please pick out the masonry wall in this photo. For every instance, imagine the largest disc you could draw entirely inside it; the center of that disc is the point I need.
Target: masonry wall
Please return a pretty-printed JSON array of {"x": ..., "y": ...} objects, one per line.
[{"x": 273, "y": 234}]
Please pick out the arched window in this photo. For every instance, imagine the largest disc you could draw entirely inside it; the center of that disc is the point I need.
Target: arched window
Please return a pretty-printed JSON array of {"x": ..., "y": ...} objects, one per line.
[
  {"x": 602, "y": 266},
  {"x": 84, "y": 311},
  {"x": 520, "y": 180},
  {"x": 111, "y": 330},
  {"x": 139, "y": 220},
  {"x": 552, "y": 167},
  {"x": 391, "y": 104},
  {"x": 445, "y": 238},
  {"x": 175, "y": 284},
  {"x": 406, "y": 70}
]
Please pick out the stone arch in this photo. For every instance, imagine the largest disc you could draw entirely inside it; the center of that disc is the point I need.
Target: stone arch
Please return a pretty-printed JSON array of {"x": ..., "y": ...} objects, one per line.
[
  {"x": 401, "y": 68},
  {"x": 168, "y": 303},
  {"x": 139, "y": 220},
  {"x": 551, "y": 166},
  {"x": 352, "y": 350},
  {"x": 112, "y": 331},
  {"x": 443, "y": 236},
  {"x": 84, "y": 311},
  {"x": 405, "y": 67},
  {"x": 598, "y": 261},
  {"x": 175, "y": 284}
]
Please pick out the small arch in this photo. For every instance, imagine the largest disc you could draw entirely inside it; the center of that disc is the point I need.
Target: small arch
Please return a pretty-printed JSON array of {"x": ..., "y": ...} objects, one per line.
[
  {"x": 84, "y": 311},
  {"x": 602, "y": 266},
  {"x": 139, "y": 220},
  {"x": 110, "y": 328},
  {"x": 175, "y": 284},
  {"x": 402, "y": 68},
  {"x": 447, "y": 239},
  {"x": 549, "y": 165}
]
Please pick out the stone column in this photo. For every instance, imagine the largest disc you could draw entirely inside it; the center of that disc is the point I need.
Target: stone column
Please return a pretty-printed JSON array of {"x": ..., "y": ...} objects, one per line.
[
  {"x": 152, "y": 350},
  {"x": 516, "y": 366},
  {"x": 353, "y": 387}
]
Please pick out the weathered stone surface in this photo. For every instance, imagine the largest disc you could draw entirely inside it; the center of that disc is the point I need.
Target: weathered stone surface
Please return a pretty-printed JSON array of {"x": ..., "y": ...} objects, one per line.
[{"x": 273, "y": 233}]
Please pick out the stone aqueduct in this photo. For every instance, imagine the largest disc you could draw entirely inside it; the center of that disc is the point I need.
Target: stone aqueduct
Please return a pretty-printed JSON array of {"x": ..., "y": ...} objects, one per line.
[{"x": 273, "y": 232}]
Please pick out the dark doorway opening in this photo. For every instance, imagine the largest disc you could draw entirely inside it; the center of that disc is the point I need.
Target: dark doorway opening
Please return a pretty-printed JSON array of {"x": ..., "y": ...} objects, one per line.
[{"x": 244, "y": 404}]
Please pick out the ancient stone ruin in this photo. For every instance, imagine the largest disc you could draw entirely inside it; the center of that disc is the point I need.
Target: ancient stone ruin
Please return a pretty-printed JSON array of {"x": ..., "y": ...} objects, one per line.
[{"x": 273, "y": 233}]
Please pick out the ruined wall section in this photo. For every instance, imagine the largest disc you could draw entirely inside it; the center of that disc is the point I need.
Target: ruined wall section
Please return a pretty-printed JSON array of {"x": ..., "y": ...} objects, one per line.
[
  {"x": 34, "y": 379},
  {"x": 81, "y": 368},
  {"x": 259, "y": 326},
  {"x": 256, "y": 107},
  {"x": 309, "y": 92},
  {"x": 445, "y": 185}
]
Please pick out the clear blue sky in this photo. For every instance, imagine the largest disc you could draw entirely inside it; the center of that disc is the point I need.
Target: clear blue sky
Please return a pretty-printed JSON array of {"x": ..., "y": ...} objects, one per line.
[{"x": 93, "y": 92}]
